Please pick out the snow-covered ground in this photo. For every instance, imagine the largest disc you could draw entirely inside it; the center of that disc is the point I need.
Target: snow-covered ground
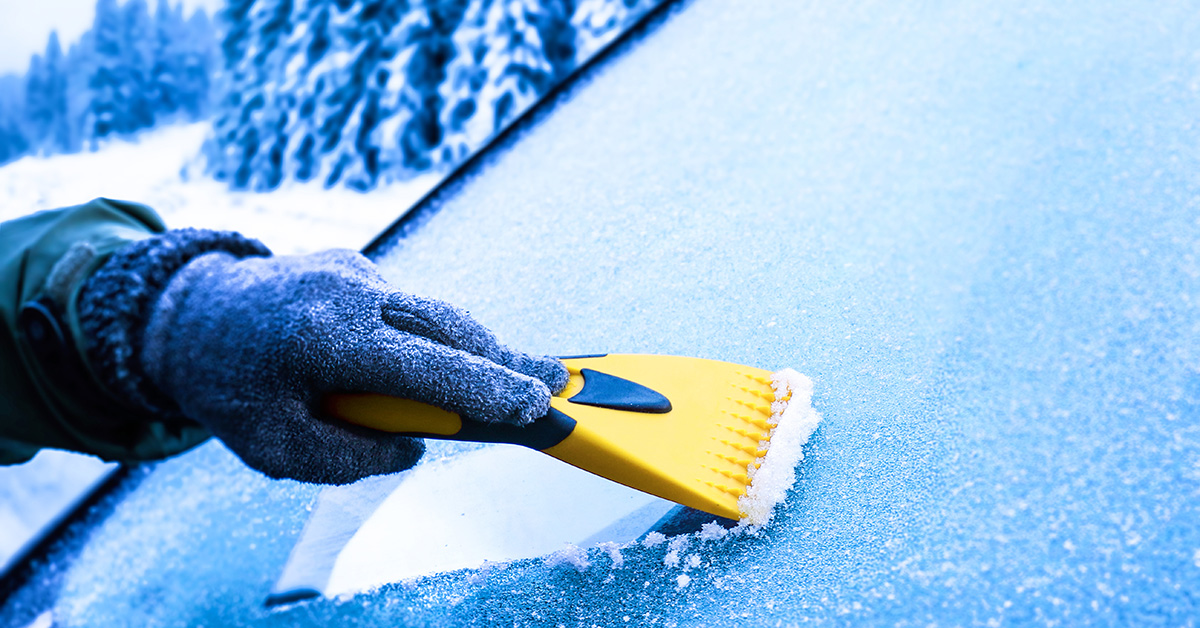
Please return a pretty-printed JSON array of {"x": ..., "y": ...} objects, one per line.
[{"x": 161, "y": 170}]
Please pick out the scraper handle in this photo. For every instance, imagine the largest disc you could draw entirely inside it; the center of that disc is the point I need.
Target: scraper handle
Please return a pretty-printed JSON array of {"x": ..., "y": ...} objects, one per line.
[{"x": 413, "y": 418}]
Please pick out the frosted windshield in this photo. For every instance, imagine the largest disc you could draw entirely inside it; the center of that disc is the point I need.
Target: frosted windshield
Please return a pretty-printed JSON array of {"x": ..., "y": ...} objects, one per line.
[{"x": 974, "y": 227}]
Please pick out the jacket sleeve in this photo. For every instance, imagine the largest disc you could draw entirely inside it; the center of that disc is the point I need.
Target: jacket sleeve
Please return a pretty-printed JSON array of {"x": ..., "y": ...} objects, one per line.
[{"x": 49, "y": 395}]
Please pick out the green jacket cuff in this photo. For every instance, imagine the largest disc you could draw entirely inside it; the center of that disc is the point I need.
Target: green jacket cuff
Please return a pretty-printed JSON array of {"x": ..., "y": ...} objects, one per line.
[{"x": 51, "y": 396}]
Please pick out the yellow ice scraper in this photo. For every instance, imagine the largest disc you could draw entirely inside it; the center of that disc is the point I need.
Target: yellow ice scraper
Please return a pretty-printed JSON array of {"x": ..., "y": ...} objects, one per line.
[{"x": 689, "y": 430}]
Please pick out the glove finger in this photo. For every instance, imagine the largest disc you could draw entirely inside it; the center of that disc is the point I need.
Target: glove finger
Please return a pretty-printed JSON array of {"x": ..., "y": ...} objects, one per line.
[
  {"x": 440, "y": 322},
  {"x": 414, "y": 367},
  {"x": 545, "y": 368},
  {"x": 454, "y": 327},
  {"x": 293, "y": 443}
]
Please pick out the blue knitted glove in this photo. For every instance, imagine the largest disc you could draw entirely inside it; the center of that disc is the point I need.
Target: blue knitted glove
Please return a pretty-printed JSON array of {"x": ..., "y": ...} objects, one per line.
[{"x": 249, "y": 347}]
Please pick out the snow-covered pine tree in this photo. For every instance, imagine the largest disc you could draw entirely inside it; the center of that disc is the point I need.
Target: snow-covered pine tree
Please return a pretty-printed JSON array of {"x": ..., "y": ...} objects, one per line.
[
  {"x": 12, "y": 140},
  {"x": 249, "y": 129},
  {"x": 183, "y": 62},
  {"x": 35, "y": 80},
  {"x": 46, "y": 100},
  {"x": 121, "y": 91},
  {"x": 169, "y": 44},
  {"x": 464, "y": 118},
  {"x": 598, "y": 22},
  {"x": 273, "y": 24},
  {"x": 197, "y": 62},
  {"x": 511, "y": 53},
  {"x": 136, "y": 67},
  {"x": 13, "y": 143},
  {"x": 515, "y": 50},
  {"x": 425, "y": 73},
  {"x": 357, "y": 84},
  {"x": 225, "y": 150},
  {"x": 348, "y": 105},
  {"x": 312, "y": 44},
  {"x": 379, "y": 118},
  {"x": 106, "y": 106},
  {"x": 59, "y": 136},
  {"x": 80, "y": 66},
  {"x": 518, "y": 50}
]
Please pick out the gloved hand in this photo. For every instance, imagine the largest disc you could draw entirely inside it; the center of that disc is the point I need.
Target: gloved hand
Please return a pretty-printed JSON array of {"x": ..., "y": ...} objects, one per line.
[{"x": 249, "y": 347}]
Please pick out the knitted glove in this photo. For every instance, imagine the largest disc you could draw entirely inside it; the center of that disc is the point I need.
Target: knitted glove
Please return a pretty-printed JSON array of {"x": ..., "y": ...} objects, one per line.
[{"x": 249, "y": 347}]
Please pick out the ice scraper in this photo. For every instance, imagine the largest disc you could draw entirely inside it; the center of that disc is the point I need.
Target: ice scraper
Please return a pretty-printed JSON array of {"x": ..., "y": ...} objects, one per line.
[{"x": 719, "y": 437}]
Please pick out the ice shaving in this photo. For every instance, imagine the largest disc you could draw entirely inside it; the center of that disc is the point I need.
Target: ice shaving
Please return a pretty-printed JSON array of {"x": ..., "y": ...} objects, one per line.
[{"x": 793, "y": 421}]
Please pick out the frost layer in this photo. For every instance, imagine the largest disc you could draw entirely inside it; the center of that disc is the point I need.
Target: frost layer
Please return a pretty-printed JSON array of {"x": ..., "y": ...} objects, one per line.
[{"x": 794, "y": 421}]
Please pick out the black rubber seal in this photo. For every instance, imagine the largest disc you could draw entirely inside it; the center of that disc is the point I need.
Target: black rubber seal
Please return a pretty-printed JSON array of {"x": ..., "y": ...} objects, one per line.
[{"x": 292, "y": 597}]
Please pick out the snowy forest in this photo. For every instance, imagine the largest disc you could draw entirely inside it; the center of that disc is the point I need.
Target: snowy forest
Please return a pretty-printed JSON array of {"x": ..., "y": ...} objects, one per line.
[
  {"x": 131, "y": 71},
  {"x": 358, "y": 92},
  {"x": 344, "y": 92}
]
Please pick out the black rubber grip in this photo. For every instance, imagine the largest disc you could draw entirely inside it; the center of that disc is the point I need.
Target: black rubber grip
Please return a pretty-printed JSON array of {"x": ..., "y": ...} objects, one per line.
[
  {"x": 542, "y": 433},
  {"x": 609, "y": 391}
]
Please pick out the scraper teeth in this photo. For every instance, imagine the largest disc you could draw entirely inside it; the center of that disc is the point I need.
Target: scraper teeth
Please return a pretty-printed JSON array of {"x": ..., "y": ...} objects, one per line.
[
  {"x": 755, "y": 436},
  {"x": 762, "y": 425},
  {"x": 768, "y": 397},
  {"x": 761, "y": 409},
  {"x": 725, "y": 489},
  {"x": 757, "y": 378},
  {"x": 741, "y": 462},
  {"x": 740, "y": 477},
  {"x": 753, "y": 451},
  {"x": 756, "y": 422}
]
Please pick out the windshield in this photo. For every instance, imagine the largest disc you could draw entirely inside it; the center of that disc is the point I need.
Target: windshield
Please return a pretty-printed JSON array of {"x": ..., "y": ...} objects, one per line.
[{"x": 972, "y": 226}]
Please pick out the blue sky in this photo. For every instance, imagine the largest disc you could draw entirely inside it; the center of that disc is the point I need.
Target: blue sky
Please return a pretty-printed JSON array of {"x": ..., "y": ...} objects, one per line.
[{"x": 25, "y": 25}]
